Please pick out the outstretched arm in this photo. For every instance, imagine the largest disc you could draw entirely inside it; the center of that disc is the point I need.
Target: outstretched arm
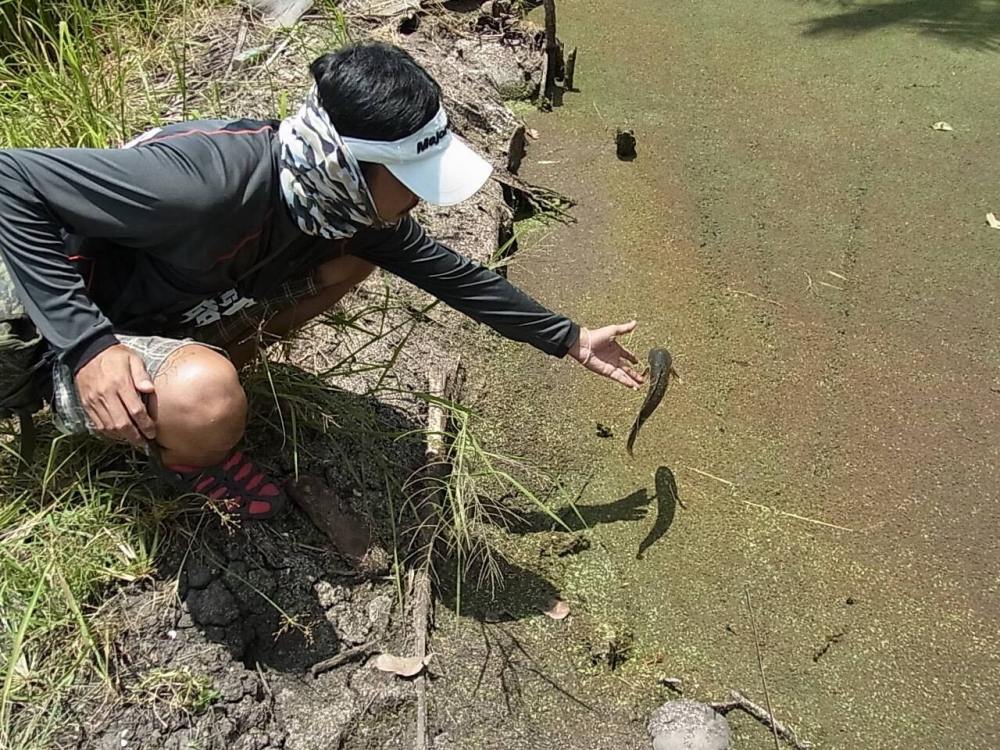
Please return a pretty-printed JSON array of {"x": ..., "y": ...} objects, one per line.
[{"x": 487, "y": 297}]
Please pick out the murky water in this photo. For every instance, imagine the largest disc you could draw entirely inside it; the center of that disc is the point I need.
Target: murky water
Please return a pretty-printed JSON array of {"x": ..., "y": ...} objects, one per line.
[{"x": 816, "y": 257}]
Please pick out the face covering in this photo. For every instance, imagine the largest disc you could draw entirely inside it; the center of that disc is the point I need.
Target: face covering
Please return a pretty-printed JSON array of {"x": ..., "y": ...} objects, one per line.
[{"x": 321, "y": 182}]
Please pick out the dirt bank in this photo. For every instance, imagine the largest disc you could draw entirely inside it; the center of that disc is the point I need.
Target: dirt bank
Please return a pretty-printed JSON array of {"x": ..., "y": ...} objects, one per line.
[{"x": 216, "y": 650}]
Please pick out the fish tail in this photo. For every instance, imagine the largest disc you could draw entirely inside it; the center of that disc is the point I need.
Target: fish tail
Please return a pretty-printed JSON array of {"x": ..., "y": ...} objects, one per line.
[{"x": 631, "y": 438}]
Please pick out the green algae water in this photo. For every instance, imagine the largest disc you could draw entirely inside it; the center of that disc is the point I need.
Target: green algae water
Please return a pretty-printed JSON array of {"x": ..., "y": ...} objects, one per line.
[{"x": 815, "y": 256}]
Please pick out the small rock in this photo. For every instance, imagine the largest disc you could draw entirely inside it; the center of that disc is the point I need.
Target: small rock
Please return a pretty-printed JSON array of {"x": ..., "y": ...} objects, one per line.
[
  {"x": 625, "y": 144},
  {"x": 375, "y": 563},
  {"x": 330, "y": 595},
  {"x": 689, "y": 725}
]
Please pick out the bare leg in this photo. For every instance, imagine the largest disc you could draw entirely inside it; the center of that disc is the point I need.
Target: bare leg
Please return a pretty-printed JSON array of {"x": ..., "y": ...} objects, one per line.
[
  {"x": 199, "y": 407},
  {"x": 335, "y": 278}
]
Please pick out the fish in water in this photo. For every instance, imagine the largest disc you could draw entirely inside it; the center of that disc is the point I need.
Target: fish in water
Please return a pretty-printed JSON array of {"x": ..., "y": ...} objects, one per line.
[{"x": 660, "y": 369}]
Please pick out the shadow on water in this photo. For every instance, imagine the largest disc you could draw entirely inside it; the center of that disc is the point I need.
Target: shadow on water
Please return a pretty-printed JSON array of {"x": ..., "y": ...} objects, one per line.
[
  {"x": 667, "y": 499},
  {"x": 966, "y": 23},
  {"x": 632, "y": 507},
  {"x": 522, "y": 593}
]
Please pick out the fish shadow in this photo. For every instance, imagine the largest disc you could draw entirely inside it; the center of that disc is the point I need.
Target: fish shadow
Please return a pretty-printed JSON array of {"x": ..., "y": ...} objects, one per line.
[{"x": 667, "y": 498}]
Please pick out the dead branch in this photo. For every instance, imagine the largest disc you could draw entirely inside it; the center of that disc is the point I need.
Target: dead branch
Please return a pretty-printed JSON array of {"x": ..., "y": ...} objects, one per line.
[
  {"x": 762, "y": 715},
  {"x": 342, "y": 658},
  {"x": 552, "y": 54},
  {"x": 421, "y": 612},
  {"x": 542, "y": 200},
  {"x": 442, "y": 386}
]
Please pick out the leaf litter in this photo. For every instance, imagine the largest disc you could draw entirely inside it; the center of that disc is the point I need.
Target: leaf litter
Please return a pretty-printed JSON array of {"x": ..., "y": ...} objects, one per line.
[
  {"x": 557, "y": 609},
  {"x": 402, "y": 666}
]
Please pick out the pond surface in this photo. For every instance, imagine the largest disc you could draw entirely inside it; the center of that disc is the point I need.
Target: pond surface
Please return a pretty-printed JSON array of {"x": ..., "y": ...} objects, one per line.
[{"x": 816, "y": 257}]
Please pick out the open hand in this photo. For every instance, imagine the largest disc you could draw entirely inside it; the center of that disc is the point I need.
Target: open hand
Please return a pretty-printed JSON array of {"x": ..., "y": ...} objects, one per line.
[
  {"x": 598, "y": 351},
  {"x": 111, "y": 386}
]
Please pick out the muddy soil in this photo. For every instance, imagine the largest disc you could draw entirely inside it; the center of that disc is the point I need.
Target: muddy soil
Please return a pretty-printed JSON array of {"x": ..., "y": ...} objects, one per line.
[{"x": 216, "y": 652}]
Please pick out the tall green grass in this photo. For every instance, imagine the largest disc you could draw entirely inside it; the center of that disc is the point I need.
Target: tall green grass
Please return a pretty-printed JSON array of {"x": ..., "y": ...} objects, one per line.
[
  {"x": 69, "y": 70},
  {"x": 78, "y": 522}
]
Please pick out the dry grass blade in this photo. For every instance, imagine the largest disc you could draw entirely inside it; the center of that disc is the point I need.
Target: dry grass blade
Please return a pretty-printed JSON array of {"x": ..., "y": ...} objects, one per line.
[
  {"x": 756, "y": 297},
  {"x": 760, "y": 662},
  {"x": 797, "y": 517},
  {"x": 712, "y": 476}
]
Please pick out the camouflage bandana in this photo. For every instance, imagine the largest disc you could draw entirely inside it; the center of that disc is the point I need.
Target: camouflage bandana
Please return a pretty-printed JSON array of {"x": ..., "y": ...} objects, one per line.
[{"x": 321, "y": 181}]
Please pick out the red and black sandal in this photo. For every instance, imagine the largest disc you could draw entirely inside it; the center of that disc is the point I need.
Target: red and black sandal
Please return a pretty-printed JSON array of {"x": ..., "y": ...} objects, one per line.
[{"x": 238, "y": 485}]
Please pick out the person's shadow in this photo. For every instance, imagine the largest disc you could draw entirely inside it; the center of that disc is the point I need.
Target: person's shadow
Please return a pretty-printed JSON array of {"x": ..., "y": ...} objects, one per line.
[
  {"x": 632, "y": 507},
  {"x": 277, "y": 593},
  {"x": 520, "y": 594}
]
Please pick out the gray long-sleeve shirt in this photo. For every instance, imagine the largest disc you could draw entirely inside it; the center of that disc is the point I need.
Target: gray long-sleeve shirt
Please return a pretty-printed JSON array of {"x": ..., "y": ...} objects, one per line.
[{"x": 193, "y": 212}]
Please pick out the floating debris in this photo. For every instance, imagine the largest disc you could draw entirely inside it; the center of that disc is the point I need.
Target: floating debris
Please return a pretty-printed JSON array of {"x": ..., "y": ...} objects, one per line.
[
  {"x": 625, "y": 144},
  {"x": 557, "y": 609},
  {"x": 942, "y": 126}
]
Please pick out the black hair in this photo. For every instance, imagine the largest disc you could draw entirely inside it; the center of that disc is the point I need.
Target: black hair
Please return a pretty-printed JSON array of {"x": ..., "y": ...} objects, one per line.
[{"x": 375, "y": 91}]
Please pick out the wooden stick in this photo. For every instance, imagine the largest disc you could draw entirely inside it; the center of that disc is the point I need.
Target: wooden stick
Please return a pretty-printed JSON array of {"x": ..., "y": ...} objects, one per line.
[
  {"x": 443, "y": 386},
  {"x": 342, "y": 658},
  {"x": 551, "y": 53},
  {"x": 570, "y": 70},
  {"x": 762, "y": 715},
  {"x": 421, "y": 610}
]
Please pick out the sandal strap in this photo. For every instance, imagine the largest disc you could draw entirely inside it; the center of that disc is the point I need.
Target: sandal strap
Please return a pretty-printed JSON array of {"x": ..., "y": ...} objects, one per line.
[{"x": 238, "y": 483}]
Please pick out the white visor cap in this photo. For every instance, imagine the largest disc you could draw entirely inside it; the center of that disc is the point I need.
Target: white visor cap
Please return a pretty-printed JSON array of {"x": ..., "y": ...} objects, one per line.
[{"x": 437, "y": 165}]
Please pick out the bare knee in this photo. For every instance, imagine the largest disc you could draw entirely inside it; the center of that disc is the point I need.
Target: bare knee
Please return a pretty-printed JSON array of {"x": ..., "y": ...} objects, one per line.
[
  {"x": 347, "y": 270},
  {"x": 199, "y": 407}
]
